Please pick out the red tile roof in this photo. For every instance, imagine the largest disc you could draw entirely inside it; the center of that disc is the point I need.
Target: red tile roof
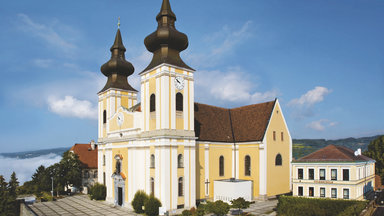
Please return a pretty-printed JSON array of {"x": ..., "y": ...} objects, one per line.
[
  {"x": 333, "y": 153},
  {"x": 87, "y": 156},
  {"x": 243, "y": 124}
]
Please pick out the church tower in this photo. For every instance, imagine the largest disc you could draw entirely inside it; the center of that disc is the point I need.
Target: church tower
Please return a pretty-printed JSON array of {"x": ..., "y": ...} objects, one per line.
[
  {"x": 117, "y": 91},
  {"x": 167, "y": 103}
]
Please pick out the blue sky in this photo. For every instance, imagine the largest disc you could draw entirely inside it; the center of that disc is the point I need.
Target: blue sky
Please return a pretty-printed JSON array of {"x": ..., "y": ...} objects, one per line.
[{"x": 324, "y": 60}]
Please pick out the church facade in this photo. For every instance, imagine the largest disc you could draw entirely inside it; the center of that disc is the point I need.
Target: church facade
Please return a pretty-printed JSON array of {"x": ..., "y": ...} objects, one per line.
[{"x": 174, "y": 148}]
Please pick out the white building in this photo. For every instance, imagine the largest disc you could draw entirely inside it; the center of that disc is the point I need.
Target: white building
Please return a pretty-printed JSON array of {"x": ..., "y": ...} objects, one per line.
[{"x": 333, "y": 172}]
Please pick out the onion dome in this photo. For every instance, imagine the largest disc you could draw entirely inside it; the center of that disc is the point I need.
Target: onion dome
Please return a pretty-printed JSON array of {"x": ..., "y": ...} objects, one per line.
[
  {"x": 117, "y": 69},
  {"x": 166, "y": 42}
]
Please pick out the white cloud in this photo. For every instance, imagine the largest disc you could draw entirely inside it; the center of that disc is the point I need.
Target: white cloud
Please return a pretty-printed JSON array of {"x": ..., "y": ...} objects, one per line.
[
  {"x": 47, "y": 33},
  {"x": 232, "y": 86},
  {"x": 24, "y": 168},
  {"x": 321, "y": 124},
  {"x": 72, "y": 107},
  {"x": 312, "y": 97},
  {"x": 303, "y": 106},
  {"x": 219, "y": 44}
]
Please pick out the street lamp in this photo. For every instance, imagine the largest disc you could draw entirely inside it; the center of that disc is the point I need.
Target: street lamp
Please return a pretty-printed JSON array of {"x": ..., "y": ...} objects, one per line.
[{"x": 52, "y": 186}]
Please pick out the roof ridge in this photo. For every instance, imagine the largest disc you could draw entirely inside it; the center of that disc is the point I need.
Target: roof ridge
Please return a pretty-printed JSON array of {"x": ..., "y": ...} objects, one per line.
[{"x": 249, "y": 105}]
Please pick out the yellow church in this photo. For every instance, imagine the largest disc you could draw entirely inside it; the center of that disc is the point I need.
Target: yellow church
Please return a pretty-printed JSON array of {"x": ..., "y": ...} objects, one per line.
[{"x": 177, "y": 149}]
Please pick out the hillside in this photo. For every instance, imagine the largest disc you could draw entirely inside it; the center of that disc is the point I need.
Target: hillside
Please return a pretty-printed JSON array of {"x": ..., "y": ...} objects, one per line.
[
  {"x": 36, "y": 153},
  {"x": 302, "y": 147}
]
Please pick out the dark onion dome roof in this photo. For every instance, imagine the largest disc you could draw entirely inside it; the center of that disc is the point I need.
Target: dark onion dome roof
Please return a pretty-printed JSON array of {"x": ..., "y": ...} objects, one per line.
[
  {"x": 166, "y": 42},
  {"x": 117, "y": 69}
]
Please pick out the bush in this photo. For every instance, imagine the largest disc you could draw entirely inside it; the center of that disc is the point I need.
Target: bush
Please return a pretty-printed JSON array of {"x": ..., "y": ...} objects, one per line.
[
  {"x": 152, "y": 206},
  {"x": 186, "y": 213},
  {"x": 139, "y": 200},
  {"x": 201, "y": 210},
  {"x": 300, "y": 206},
  {"x": 240, "y": 203},
  {"x": 45, "y": 196},
  {"x": 98, "y": 192},
  {"x": 219, "y": 208}
]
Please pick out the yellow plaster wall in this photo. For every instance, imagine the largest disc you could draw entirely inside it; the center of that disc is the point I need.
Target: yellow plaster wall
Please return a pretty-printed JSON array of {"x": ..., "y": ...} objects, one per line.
[
  {"x": 127, "y": 123},
  {"x": 152, "y": 90},
  {"x": 253, "y": 151},
  {"x": 215, "y": 151},
  {"x": 278, "y": 177},
  {"x": 200, "y": 171}
]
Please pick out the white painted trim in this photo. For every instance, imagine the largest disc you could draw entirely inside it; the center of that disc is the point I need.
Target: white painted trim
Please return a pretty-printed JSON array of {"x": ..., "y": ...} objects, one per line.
[{"x": 162, "y": 65}]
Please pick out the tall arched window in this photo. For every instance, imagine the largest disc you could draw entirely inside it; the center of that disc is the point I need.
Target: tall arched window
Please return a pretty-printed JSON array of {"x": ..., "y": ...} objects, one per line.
[
  {"x": 152, "y": 184},
  {"x": 152, "y": 161},
  {"x": 181, "y": 187},
  {"x": 180, "y": 161},
  {"x": 247, "y": 165},
  {"x": 179, "y": 102},
  {"x": 104, "y": 116},
  {"x": 221, "y": 166},
  {"x": 95, "y": 174},
  {"x": 152, "y": 103},
  {"x": 278, "y": 160}
]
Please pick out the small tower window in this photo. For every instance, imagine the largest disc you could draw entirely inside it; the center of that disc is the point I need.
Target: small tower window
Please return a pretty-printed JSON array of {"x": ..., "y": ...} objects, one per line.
[
  {"x": 152, "y": 103},
  {"x": 278, "y": 160},
  {"x": 152, "y": 184},
  {"x": 152, "y": 161},
  {"x": 180, "y": 161},
  {"x": 179, "y": 102},
  {"x": 247, "y": 165},
  {"x": 221, "y": 166},
  {"x": 181, "y": 187},
  {"x": 282, "y": 136},
  {"x": 104, "y": 116}
]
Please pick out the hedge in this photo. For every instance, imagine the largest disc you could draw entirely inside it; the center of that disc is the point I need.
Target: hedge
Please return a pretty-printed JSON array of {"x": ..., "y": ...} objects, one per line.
[
  {"x": 98, "y": 192},
  {"x": 300, "y": 206}
]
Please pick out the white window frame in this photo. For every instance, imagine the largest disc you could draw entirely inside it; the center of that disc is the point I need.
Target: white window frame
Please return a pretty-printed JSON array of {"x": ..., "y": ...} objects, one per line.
[
  {"x": 349, "y": 173},
  {"x": 349, "y": 193},
  {"x": 331, "y": 193}
]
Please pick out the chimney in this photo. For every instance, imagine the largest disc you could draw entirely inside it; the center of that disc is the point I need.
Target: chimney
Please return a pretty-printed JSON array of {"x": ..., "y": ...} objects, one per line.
[{"x": 92, "y": 144}]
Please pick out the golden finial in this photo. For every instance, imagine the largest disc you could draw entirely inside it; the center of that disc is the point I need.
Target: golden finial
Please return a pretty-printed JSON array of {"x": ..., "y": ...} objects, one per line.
[{"x": 118, "y": 23}]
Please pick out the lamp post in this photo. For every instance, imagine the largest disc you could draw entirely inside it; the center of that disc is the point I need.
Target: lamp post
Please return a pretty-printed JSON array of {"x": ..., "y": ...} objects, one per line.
[{"x": 52, "y": 186}]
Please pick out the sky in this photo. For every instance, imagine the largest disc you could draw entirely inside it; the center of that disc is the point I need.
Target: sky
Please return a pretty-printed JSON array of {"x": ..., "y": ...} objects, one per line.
[{"x": 323, "y": 60}]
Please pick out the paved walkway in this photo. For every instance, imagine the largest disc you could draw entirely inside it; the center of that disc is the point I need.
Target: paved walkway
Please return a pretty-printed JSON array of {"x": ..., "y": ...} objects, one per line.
[
  {"x": 262, "y": 207},
  {"x": 78, "y": 205},
  {"x": 82, "y": 205}
]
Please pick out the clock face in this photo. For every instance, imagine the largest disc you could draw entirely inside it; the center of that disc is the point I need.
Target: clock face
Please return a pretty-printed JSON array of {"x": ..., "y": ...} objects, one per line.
[
  {"x": 179, "y": 83},
  {"x": 120, "y": 119}
]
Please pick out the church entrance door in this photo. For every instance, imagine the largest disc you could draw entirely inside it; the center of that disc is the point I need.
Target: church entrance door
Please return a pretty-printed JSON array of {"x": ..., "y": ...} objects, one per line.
[{"x": 120, "y": 196}]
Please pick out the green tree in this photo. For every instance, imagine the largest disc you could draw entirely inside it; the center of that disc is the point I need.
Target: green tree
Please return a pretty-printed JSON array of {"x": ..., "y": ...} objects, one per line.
[
  {"x": 152, "y": 206},
  {"x": 13, "y": 185},
  {"x": 376, "y": 152},
  {"x": 139, "y": 200},
  {"x": 240, "y": 203},
  {"x": 41, "y": 179},
  {"x": 3, "y": 196},
  {"x": 69, "y": 172}
]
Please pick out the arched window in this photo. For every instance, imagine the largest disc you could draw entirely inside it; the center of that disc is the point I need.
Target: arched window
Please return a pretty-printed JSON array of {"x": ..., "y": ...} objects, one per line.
[
  {"x": 179, "y": 102},
  {"x": 278, "y": 160},
  {"x": 86, "y": 174},
  {"x": 152, "y": 103},
  {"x": 181, "y": 188},
  {"x": 180, "y": 161},
  {"x": 95, "y": 174},
  {"x": 221, "y": 166},
  {"x": 104, "y": 116},
  {"x": 152, "y": 184},
  {"x": 152, "y": 161},
  {"x": 103, "y": 160},
  {"x": 247, "y": 165}
]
